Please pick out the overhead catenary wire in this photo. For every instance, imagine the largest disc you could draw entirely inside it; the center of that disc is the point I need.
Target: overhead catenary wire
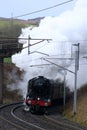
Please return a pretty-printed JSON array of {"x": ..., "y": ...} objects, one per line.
[
  {"x": 24, "y": 38},
  {"x": 44, "y": 9},
  {"x": 58, "y": 65}
]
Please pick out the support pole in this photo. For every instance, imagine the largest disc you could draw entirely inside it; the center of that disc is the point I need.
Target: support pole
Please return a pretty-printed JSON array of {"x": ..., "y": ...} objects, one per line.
[
  {"x": 1, "y": 80},
  {"x": 76, "y": 70},
  {"x": 64, "y": 101},
  {"x": 75, "y": 89}
]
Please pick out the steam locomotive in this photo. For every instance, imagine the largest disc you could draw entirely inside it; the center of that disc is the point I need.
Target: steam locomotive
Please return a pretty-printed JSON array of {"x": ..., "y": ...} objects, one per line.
[{"x": 41, "y": 93}]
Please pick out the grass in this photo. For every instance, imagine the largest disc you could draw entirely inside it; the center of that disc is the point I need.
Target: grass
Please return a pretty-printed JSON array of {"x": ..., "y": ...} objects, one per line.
[
  {"x": 81, "y": 115},
  {"x": 8, "y": 60}
]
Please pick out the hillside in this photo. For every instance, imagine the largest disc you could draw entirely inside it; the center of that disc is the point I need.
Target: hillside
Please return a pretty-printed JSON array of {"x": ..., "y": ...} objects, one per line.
[
  {"x": 12, "y": 27},
  {"x": 81, "y": 115},
  {"x": 23, "y": 22}
]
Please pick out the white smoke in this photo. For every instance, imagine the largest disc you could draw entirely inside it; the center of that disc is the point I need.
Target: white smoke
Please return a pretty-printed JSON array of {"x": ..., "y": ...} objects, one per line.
[{"x": 67, "y": 29}]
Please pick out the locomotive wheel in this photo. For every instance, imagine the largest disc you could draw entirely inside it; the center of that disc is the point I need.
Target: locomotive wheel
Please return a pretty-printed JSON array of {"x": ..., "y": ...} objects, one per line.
[
  {"x": 46, "y": 111},
  {"x": 32, "y": 109}
]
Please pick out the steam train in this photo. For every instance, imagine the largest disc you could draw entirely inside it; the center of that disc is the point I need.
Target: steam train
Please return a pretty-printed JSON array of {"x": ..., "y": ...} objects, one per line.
[{"x": 41, "y": 93}]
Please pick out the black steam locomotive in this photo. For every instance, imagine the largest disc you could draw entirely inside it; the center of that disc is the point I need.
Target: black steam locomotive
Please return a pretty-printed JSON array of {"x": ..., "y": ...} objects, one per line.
[{"x": 41, "y": 93}]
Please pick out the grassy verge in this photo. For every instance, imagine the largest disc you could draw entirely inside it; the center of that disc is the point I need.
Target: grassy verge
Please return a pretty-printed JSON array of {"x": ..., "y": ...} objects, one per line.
[{"x": 81, "y": 115}]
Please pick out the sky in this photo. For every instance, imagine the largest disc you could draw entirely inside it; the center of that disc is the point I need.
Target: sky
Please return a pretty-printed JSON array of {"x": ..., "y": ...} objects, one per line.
[{"x": 12, "y": 8}]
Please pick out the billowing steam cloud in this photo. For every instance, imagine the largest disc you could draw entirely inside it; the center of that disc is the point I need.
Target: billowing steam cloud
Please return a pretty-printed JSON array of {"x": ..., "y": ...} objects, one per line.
[{"x": 67, "y": 29}]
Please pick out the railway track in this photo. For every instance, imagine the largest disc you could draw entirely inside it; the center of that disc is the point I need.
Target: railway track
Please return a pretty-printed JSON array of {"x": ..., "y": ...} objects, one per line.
[
  {"x": 14, "y": 115},
  {"x": 6, "y": 115},
  {"x": 5, "y": 122}
]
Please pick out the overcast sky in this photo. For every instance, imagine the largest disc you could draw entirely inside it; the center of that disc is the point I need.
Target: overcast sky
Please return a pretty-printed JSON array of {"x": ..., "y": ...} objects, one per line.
[{"x": 12, "y": 8}]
